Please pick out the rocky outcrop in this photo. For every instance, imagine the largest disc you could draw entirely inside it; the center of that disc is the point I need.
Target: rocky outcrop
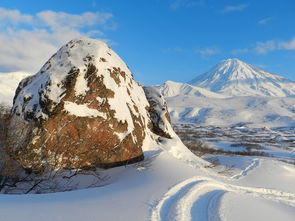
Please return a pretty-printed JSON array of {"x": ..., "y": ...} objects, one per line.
[
  {"x": 82, "y": 109},
  {"x": 158, "y": 112}
]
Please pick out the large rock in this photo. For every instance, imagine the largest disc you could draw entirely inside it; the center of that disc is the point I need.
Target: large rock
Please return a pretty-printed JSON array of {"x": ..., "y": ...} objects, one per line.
[
  {"x": 158, "y": 110},
  {"x": 82, "y": 109}
]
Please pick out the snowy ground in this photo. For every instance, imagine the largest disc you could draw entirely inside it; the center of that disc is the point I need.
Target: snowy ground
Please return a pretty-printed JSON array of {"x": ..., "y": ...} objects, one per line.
[
  {"x": 174, "y": 184},
  {"x": 171, "y": 184},
  {"x": 278, "y": 143},
  {"x": 252, "y": 111}
]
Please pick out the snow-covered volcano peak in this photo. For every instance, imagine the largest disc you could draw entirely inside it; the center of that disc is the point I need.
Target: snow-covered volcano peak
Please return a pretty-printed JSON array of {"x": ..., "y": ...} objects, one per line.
[
  {"x": 234, "y": 69},
  {"x": 233, "y": 64},
  {"x": 236, "y": 78},
  {"x": 230, "y": 62}
]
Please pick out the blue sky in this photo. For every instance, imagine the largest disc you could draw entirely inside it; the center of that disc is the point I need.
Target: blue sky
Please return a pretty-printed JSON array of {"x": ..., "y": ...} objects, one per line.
[{"x": 159, "y": 39}]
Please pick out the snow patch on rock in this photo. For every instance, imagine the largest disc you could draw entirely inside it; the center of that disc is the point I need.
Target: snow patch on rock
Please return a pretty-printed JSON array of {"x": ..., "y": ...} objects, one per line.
[{"x": 82, "y": 110}]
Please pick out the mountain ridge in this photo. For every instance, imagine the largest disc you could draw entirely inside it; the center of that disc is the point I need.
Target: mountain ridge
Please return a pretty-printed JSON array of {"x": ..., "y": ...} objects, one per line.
[{"x": 172, "y": 88}]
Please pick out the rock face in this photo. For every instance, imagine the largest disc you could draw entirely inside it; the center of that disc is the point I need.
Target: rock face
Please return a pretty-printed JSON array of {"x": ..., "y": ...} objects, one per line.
[
  {"x": 82, "y": 109},
  {"x": 158, "y": 112}
]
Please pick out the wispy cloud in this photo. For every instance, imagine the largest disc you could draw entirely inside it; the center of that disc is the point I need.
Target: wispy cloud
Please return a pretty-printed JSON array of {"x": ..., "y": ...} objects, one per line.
[
  {"x": 234, "y": 8},
  {"x": 56, "y": 20},
  {"x": 288, "y": 45},
  {"x": 208, "y": 51},
  {"x": 28, "y": 40},
  {"x": 176, "y": 4},
  {"x": 273, "y": 45},
  {"x": 265, "y": 47},
  {"x": 265, "y": 20},
  {"x": 14, "y": 17}
]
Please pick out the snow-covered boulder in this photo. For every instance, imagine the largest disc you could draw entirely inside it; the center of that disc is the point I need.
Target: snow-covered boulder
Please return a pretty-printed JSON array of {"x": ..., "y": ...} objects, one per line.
[
  {"x": 82, "y": 109},
  {"x": 159, "y": 112}
]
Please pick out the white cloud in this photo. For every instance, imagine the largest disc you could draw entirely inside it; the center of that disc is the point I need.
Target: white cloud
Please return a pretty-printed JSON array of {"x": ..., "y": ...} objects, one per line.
[
  {"x": 208, "y": 51},
  {"x": 287, "y": 45},
  {"x": 234, "y": 8},
  {"x": 60, "y": 19},
  {"x": 27, "y": 49},
  {"x": 14, "y": 17},
  {"x": 274, "y": 45},
  {"x": 265, "y": 47},
  {"x": 265, "y": 21}
]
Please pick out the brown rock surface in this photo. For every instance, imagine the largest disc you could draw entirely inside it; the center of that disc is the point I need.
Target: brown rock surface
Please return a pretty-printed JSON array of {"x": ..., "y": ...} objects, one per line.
[{"x": 82, "y": 109}]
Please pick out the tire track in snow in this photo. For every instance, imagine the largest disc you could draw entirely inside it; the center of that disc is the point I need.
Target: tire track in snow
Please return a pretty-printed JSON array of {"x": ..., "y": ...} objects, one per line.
[
  {"x": 164, "y": 207},
  {"x": 199, "y": 197},
  {"x": 202, "y": 199}
]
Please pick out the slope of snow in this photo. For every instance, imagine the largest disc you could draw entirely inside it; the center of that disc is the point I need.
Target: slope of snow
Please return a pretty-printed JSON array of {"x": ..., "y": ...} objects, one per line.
[
  {"x": 251, "y": 111},
  {"x": 246, "y": 205},
  {"x": 165, "y": 188},
  {"x": 171, "y": 88},
  {"x": 8, "y": 85},
  {"x": 233, "y": 77}
]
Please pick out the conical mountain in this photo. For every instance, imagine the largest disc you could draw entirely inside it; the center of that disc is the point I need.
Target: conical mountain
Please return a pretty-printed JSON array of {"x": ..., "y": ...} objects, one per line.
[{"x": 233, "y": 77}]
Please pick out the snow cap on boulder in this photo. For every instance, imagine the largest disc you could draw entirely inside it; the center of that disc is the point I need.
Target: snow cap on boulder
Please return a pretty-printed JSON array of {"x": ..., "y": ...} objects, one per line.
[{"x": 83, "y": 108}]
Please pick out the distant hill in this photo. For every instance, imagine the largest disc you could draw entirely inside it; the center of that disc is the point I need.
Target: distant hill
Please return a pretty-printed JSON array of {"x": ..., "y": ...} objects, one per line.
[{"x": 171, "y": 88}]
